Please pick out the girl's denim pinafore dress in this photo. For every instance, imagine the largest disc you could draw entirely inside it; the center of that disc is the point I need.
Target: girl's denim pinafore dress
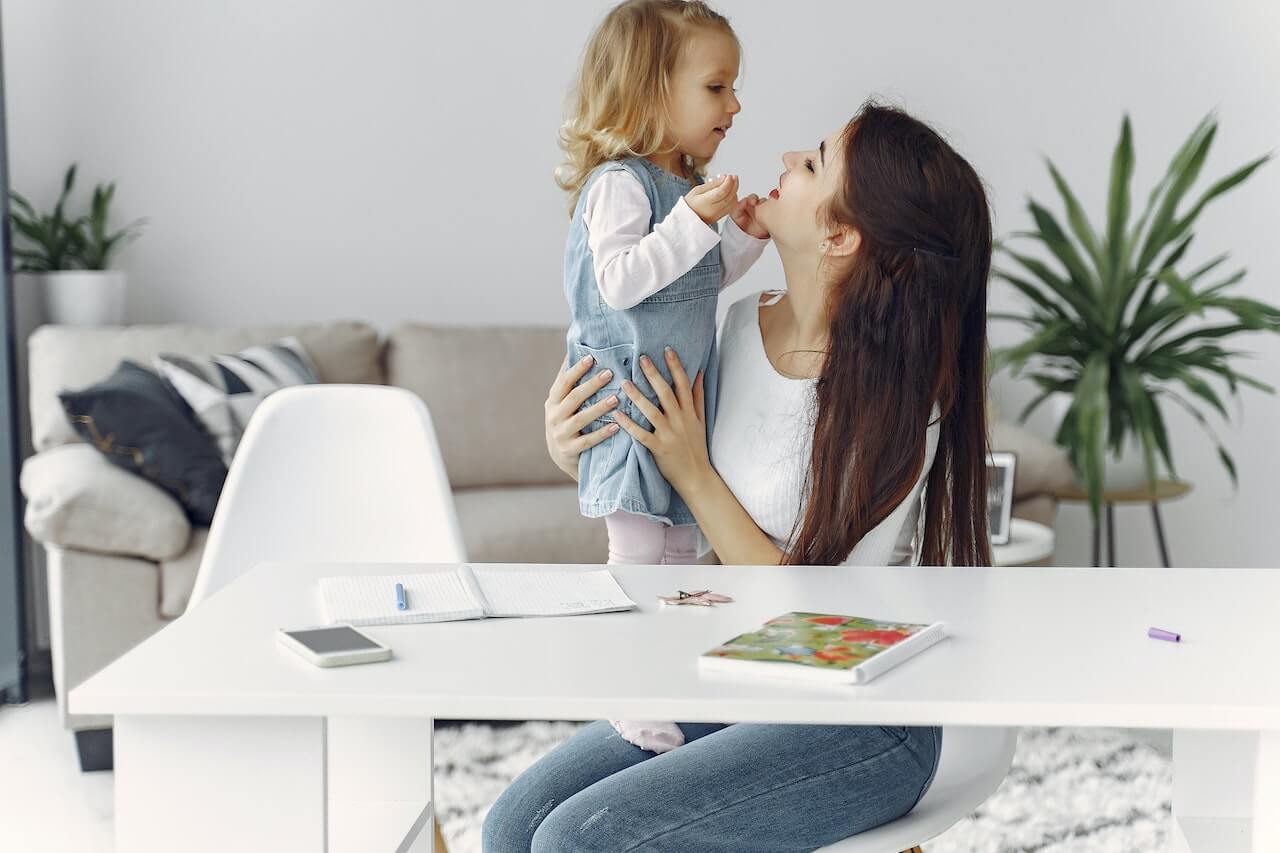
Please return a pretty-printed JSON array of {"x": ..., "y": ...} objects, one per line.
[{"x": 619, "y": 473}]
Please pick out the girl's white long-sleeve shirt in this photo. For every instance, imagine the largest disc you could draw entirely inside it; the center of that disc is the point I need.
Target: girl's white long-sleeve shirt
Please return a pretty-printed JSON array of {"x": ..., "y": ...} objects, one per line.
[{"x": 632, "y": 263}]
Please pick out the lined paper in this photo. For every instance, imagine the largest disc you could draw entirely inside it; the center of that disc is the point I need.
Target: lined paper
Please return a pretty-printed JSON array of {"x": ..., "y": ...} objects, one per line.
[
  {"x": 470, "y": 592},
  {"x": 531, "y": 593},
  {"x": 371, "y": 599}
]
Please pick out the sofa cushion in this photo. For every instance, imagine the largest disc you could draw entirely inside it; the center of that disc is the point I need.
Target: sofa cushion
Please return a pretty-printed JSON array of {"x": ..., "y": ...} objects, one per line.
[
  {"x": 63, "y": 357},
  {"x": 485, "y": 388},
  {"x": 529, "y": 524},
  {"x": 141, "y": 424},
  {"x": 223, "y": 390},
  {"x": 1042, "y": 468},
  {"x": 77, "y": 499}
]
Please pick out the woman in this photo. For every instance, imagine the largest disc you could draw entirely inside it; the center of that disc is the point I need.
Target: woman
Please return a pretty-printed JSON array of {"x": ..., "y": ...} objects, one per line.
[{"x": 851, "y": 429}]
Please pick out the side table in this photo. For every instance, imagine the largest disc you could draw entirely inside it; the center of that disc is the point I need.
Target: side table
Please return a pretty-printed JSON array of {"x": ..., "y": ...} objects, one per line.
[
  {"x": 1029, "y": 542},
  {"x": 1166, "y": 490}
]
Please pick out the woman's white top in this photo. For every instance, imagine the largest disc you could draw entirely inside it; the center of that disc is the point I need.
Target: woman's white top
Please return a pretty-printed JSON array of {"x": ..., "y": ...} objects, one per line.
[{"x": 763, "y": 438}]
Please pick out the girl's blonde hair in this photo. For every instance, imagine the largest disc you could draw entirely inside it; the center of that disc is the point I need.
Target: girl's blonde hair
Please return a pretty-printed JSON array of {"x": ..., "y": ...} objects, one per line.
[{"x": 622, "y": 99}]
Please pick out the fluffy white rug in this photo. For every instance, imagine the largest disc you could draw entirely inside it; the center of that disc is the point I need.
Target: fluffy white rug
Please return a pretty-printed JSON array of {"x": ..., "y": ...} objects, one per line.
[{"x": 1070, "y": 790}]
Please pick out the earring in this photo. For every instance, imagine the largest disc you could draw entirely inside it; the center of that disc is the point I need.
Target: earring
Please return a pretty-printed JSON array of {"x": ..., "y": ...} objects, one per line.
[{"x": 823, "y": 246}]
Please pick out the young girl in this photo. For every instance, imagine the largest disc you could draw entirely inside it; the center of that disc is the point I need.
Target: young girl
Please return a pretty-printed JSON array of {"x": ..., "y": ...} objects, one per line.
[{"x": 644, "y": 262}]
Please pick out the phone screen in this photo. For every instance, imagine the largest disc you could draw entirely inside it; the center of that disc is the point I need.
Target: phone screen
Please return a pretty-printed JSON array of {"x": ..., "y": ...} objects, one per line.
[{"x": 339, "y": 638}]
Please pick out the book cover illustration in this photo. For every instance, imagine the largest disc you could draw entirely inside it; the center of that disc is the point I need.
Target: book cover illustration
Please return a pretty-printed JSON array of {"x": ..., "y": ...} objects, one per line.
[{"x": 817, "y": 640}]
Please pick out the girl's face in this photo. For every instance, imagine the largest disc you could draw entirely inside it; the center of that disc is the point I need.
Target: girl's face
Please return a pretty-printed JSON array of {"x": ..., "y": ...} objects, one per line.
[
  {"x": 703, "y": 103},
  {"x": 793, "y": 213}
]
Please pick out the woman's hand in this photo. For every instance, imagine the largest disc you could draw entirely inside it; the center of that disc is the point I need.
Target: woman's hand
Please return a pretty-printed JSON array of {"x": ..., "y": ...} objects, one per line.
[
  {"x": 679, "y": 445},
  {"x": 564, "y": 423},
  {"x": 679, "y": 438}
]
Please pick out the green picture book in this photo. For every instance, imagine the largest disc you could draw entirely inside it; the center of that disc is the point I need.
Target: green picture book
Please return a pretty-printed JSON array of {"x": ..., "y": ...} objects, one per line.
[{"x": 822, "y": 647}]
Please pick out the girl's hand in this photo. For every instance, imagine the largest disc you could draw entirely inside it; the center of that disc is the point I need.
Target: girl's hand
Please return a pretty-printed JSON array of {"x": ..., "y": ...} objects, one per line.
[
  {"x": 744, "y": 216},
  {"x": 715, "y": 199},
  {"x": 679, "y": 438},
  {"x": 564, "y": 423}
]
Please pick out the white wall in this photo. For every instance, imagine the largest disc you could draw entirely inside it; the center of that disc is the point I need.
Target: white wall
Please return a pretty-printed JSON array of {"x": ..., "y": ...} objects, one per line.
[{"x": 391, "y": 160}]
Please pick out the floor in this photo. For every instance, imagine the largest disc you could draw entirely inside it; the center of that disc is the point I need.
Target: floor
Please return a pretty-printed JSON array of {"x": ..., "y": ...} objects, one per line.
[
  {"x": 46, "y": 804},
  {"x": 1071, "y": 791}
]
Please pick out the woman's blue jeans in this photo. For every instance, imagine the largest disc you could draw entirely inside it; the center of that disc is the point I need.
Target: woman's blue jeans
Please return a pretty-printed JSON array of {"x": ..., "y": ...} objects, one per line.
[{"x": 743, "y": 788}]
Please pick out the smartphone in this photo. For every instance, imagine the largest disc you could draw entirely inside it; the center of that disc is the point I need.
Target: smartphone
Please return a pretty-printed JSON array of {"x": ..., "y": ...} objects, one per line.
[{"x": 334, "y": 645}]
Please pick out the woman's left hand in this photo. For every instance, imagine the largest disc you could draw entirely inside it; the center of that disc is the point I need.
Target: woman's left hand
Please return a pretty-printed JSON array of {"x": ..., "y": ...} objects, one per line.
[{"x": 678, "y": 441}]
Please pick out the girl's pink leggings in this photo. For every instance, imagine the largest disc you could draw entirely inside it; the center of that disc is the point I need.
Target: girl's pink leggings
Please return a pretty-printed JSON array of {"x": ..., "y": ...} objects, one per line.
[{"x": 638, "y": 541}]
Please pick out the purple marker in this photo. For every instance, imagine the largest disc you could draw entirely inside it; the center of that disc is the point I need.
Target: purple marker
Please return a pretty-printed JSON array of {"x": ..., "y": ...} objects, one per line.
[{"x": 1161, "y": 634}]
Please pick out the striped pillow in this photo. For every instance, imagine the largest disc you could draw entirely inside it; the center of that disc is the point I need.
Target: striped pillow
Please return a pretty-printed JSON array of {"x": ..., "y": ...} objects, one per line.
[{"x": 223, "y": 390}]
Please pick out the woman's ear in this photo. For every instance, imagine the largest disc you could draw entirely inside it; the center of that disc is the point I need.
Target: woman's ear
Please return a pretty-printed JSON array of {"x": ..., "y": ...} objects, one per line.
[{"x": 844, "y": 241}]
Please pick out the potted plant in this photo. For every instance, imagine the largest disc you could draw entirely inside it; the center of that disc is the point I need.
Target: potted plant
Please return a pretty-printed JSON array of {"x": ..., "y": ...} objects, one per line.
[
  {"x": 1118, "y": 327},
  {"x": 70, "y": 255}
]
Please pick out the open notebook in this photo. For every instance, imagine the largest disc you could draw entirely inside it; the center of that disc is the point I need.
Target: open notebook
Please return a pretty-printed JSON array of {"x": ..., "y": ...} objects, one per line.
[{"x": 468, "y": 592}]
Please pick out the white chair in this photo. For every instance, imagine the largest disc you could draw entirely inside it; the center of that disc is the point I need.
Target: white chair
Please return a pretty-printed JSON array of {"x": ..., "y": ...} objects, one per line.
[
  {"x": 333, "y": 473},
  {"x": 336, "y": 473},
  {"x": 974, "y": 762}
]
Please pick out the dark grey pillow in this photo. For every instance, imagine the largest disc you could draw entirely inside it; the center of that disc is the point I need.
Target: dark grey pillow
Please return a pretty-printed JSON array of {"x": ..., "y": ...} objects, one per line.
[{"x": 138, "y": 422}]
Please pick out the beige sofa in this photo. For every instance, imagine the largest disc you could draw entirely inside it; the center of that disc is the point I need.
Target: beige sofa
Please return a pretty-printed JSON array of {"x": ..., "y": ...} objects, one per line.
[{"x": 122, "y": 557}]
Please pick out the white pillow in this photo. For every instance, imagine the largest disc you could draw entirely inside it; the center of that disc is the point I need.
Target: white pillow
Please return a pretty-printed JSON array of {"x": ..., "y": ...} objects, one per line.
[{"x": 76, "y": 498}]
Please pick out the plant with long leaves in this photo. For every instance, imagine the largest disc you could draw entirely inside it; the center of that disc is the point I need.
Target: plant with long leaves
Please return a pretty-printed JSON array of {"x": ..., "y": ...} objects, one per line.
[
  {"x": 99, "y": 243},
  {"x": 52, "y": 239},
  {"x": 1115, "y": 321},
  {"x": 56, "y": 241}
]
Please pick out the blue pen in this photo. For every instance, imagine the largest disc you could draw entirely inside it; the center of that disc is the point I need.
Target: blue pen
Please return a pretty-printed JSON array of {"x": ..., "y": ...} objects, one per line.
[{"x": 401, "y": 604}]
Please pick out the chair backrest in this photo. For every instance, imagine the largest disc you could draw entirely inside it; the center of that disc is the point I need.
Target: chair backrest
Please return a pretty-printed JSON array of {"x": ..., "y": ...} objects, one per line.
[{"x": 333, "y": 473}]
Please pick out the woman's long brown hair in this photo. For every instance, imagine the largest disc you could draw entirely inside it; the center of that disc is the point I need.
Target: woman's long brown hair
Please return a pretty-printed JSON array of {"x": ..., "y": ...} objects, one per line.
[{"x": 908, "y": 333}]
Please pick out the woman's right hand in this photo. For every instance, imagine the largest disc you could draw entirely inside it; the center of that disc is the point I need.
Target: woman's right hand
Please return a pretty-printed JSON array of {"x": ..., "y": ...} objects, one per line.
[{"x": 564, "y": 423}]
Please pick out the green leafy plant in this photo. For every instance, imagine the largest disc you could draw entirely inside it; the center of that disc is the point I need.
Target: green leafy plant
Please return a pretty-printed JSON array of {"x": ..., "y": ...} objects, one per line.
[
  {"x": 52, "y": 239},
  {"x": 1116, "y": 322},
  {"x": 56, "y": 241},
  {"x": 100, "y": 244}
]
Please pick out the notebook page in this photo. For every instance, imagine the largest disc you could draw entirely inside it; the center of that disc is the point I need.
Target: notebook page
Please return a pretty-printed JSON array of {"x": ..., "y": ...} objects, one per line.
[
  {"x": 371, "y": 599},
  {"x": 533, "y": 593}
]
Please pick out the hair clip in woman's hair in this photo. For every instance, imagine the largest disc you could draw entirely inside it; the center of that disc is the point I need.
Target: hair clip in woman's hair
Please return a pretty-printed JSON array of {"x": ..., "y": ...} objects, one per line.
[
  {"x": 946, "y": 256},
  {"x": 703, "y": 598}
]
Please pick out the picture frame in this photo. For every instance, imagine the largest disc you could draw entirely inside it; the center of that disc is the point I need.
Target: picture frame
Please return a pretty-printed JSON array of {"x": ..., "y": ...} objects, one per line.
[{"x": 1001, "y": 466}]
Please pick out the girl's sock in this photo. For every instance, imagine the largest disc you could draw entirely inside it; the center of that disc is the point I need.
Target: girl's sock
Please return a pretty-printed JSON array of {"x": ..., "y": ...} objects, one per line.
[{"x": 652, "y": 735}]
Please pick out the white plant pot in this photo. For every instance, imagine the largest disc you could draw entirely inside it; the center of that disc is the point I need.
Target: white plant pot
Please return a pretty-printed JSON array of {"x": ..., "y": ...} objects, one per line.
[
  {"x": 84, "y": 297},
  {"x": 1126, "y": 471}
]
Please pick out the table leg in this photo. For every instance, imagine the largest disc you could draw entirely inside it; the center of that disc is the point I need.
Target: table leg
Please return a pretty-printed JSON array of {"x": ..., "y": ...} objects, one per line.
[
  {"x": 1164, "y": 548},
  {"x": 1266, "y": 792},
  {"x": 1225, "y": 789},
  {"x": 379, "y": 796},
  {"x": 272, "y": 783},
  {"x": 1111, "y": 535},
  {"x": 219, "y": 783},
  {"x": 1097, "y": 544}
]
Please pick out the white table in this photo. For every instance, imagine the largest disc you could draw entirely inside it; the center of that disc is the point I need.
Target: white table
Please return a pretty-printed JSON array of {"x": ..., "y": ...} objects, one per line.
[
  {"x": 222, "y": 735},
  {"x": 1029, "y": 542}
]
